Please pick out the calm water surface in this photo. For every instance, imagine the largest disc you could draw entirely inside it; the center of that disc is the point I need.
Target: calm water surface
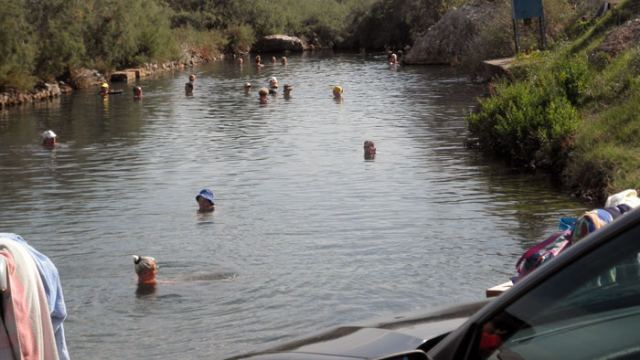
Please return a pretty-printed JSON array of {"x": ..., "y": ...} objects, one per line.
[{"x": 306, "y": 234}]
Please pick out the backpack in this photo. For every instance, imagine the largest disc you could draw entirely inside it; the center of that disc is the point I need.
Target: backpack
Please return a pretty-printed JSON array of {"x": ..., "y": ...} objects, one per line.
[{"x": 542, "y": 252}]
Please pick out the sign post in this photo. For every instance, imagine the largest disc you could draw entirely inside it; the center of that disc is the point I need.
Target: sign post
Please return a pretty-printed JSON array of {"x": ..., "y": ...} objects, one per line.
[{"x": 526, "y": 10}]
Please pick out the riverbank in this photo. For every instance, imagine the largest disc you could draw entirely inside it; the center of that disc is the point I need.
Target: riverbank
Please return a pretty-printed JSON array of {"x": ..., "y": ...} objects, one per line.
[
  {"x": 88, "y": 78},
  {"x": 572, "y": 111}
]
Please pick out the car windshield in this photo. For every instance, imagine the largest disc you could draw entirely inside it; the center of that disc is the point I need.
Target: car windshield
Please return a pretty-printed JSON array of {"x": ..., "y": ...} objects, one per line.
[{"x": 588, "y": 310}]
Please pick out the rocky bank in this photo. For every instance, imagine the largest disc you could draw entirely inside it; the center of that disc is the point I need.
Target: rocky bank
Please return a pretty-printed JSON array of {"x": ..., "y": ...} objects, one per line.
[{"x": 89, "y": 78}]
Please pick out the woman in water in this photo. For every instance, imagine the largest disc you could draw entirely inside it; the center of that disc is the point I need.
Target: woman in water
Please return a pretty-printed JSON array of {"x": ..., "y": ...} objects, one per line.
[{"x": 263, "y": 93}]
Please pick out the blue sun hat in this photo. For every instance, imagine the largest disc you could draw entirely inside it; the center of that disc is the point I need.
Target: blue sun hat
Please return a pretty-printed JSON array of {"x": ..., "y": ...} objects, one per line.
[{"x": 207, "y": 194}]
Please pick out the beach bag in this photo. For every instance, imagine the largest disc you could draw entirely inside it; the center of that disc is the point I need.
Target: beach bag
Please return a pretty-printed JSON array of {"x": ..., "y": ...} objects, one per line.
[
  {"x": 542, "y": 252},
  {"x": 596, "y": 219}
]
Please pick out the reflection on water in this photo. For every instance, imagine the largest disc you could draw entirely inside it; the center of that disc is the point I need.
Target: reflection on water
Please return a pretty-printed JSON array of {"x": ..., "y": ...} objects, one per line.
[{"x": 306, "y": 234}]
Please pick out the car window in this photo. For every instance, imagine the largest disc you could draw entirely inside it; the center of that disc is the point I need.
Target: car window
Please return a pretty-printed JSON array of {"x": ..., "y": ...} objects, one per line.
[{"x": 588, "y": 310}]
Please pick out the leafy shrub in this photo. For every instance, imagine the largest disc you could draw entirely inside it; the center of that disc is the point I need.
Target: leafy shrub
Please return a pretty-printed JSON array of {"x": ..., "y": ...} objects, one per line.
[
  {"x": 572, "y": 75},
  {"x": 129, "y": 33},
  {"x": 206, "y": 43},
  {"x": 17, "y": 50},
  {"x": 525, "y": 123},
  {"x": 240, "y": 39}
]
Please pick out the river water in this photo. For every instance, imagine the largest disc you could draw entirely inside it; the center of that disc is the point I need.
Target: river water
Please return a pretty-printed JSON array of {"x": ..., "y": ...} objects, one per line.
[{"x": 306, "y": 235}]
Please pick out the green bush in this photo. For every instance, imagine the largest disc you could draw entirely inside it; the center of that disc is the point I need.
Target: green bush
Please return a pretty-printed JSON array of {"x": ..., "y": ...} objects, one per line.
[
  {"x": 17, "y": 48},
  {"x": 572, "y": 75},
  {"x": 207, "y": 44},
  {"x": 527, "y": 124},
  {"x": 240, "y": 39},
  {"x": 131, "y": 32},
  {"x": 61, "y": 43}
]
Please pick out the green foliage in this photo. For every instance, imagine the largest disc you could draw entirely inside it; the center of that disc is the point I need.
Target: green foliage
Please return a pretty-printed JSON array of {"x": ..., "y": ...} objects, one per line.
[
  {"x": 394, "y": 23},
  {"x": 206, "y": 43},
  {"x": 617, "y": 77},
  {"x": 241, "y": 37},
  {"x": 321, "y": 21},
  {"x": 17, "y": 50},
  {"x": 130, "y": 32},
  {"x": 527, "y": 123},
  {"x": 607, "y": 148},
  {"x": 61, "y": 46},
  {"x": 572, "y": 77}
]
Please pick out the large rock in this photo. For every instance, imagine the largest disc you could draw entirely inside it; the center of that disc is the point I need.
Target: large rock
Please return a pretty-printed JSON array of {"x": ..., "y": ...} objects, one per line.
[
  {"x": 279, "y": 43},
  {"x": 450, "y": 39},
  {"x": 86, "y": 78}
]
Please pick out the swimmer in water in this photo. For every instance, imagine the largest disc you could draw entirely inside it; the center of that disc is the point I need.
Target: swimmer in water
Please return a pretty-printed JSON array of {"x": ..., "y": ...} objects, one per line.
[
  {"x": 273, "y": 85},
  {"x": 49, "y": 139},
  {"x": 188, "y": 88},
  {"x": 247, "y": 87},
  {"x": 284, "y": 60},
  {"x": 137, "y": 93},
  {"x": 274, "y": 60},
  {"x": 259, "y": 61},
  {"x": 287, "y": 91},
  {"x": 146, "y": 268},
  {"x": 104, "y": 89},
  {"x": 263, "y": 92},
  {"x": 369, "y": 150},
  {"x": 337, "y": 92},
  {"x": 205, "y": 201},
  {"x": 393, "y": 59},
  {"x": 273, "y": 82}
]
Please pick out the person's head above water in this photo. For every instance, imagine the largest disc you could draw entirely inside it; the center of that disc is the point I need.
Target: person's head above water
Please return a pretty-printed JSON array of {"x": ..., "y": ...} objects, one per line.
[
  {"x": 369, "y": 150},
  {"x": 49, "y": 138},
  {"x": 104, "y": 88},
  {"x": 263, "y": 92},
  {"x": 137, "y": 92},
  {"x": 192, "y": 78},
  {"x": 188, "y": 88},
  {"x": 273, "y": 82},
  {"x": 337, "y": 91},
  {"x": 287, "y": 89},
  {"x": 146, "y": 268},
  {"x": 247, "y": 86},
  {"x": 205, "y": 200}
]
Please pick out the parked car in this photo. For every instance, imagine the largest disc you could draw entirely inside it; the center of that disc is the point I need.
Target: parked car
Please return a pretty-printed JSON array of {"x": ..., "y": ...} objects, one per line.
[{"x": 585, "y": 304}]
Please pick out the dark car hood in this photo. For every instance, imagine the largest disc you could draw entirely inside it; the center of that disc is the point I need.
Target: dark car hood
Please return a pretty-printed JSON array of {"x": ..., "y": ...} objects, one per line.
[{"x": 402, "y": 333}]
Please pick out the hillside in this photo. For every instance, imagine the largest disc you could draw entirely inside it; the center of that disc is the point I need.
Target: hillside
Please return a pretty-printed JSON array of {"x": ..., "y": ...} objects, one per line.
[{"x": 574, "y": 110}]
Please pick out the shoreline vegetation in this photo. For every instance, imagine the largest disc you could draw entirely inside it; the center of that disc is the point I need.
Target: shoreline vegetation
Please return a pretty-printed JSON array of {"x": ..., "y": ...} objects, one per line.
[{"x": 570, "y": 110}]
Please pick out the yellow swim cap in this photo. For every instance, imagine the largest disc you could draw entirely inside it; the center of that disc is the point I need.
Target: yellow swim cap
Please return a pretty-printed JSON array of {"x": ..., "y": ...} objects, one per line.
[
  {"x": 104, "y": 85},
  {"x": 338, "y": 89}
]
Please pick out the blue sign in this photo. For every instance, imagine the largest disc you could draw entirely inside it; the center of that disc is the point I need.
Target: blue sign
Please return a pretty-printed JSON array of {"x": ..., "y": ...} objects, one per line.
[{"x": 527, "y": 9}]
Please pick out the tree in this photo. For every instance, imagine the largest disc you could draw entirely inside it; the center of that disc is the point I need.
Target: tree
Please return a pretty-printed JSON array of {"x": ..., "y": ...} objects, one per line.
[{"x": 16, "y": 46}]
